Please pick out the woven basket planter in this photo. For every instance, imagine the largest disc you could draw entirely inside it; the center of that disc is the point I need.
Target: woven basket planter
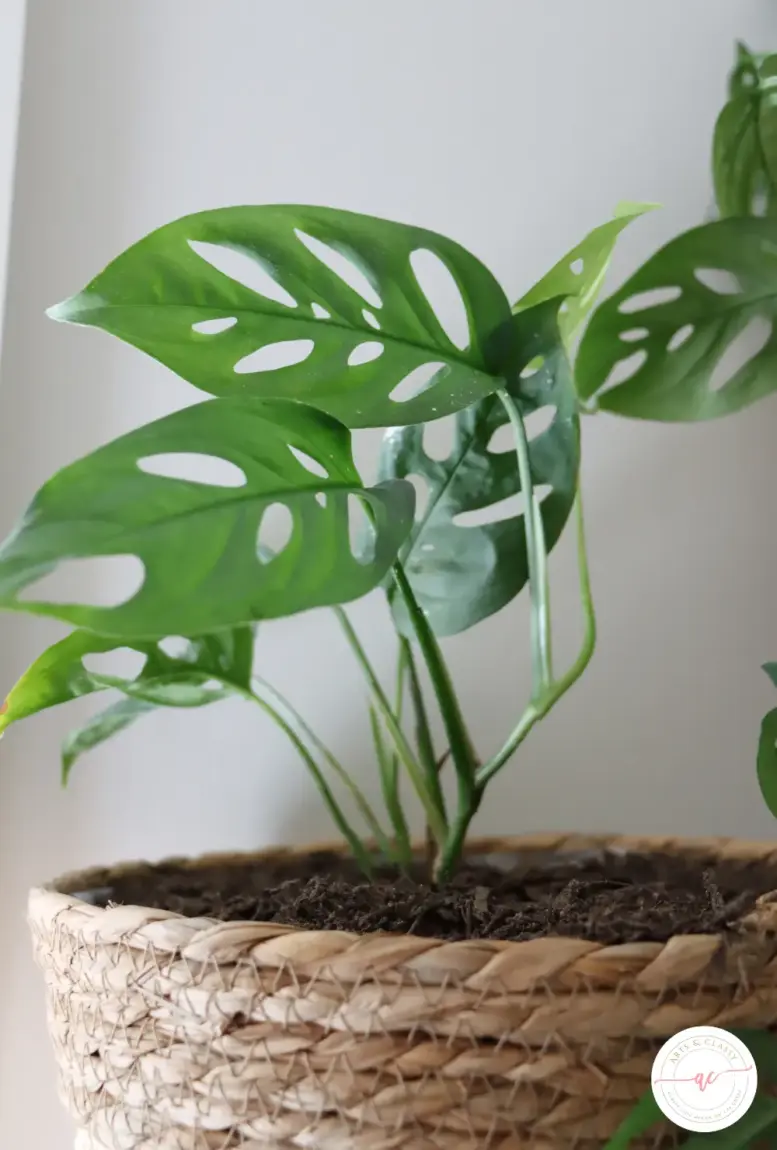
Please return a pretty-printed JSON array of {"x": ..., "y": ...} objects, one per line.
[{"x": 173, "y": 1033}]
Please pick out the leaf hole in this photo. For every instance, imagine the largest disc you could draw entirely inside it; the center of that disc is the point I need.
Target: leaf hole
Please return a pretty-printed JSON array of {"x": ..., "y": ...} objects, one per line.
[
  {"x": 509, "y": 508},
  {"x": 655, "y": 297},
  {"x": 681, "y": 336},
  {"x": 633, "y": 334},
  {"x": 439, "y": 438},
  {"x": 209, "y": 470},
  {"x": 759, "y": 205},
  {"x": 275, "y": 530},
  {"x": 537, "y": 422},
  {"x": 365, "y": 353},
  {"x": 532, "y": 367},
  {"x": 309, "y": 463},
  {"x": 174, "y": 646},
  {"x": 421, "y": 488},
  {"x": 214, "y": 326},
  {"x": 245, "y": 268},
  {"x": 321, "y": 499},
  {"x": 121, "y": 663},
  {"x": 443, "y": 295},
  {"x": 345, "y": 264},
  {"x": 361, "y": 533},
  {"x": 275, "y": 356},
  {"x": 320, "y": 312},
  {"x": 625, "y": 369},
  {"x": 744, "y": 347},
  {"x": 98, "y": 581},
  {"x": 718, "y": 280},
  {"x": 371, "y": 319},
  {"x": 419, "y": 380},
  {"x": 576, "y": 267}
]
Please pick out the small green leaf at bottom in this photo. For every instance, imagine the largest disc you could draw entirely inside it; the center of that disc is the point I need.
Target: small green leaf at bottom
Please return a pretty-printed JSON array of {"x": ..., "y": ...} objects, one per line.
[
  {"x": 759, "y": 1121},
  {"x": 766, "y": 764},
  {"x": 642, "y": 1118}
]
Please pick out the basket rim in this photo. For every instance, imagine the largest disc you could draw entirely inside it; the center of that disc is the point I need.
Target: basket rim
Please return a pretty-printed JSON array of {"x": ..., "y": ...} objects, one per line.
[{"x": 62, "y": 895}]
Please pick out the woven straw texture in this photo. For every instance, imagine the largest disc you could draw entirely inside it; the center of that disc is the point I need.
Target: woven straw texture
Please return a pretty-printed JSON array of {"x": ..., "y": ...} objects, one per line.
[{"x": 173, "y": 1033}]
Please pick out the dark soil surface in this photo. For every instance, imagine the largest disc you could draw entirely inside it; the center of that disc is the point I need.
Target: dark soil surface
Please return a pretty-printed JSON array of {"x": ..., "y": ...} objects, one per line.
[{"x": 603, "y": 898}]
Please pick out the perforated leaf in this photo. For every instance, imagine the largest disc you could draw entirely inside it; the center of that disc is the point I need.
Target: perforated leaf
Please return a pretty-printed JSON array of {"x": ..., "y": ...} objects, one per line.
[
  {"x": 347, "y": 348},
  {"x": 199, "y": 544},
  {"x": 745, "y": 143},
  {"x": 691, "y": 335},
  {"x": 579, "y": 274},
  {"x": 462, "y": 572},
  {"x": 202, "y": 671}
]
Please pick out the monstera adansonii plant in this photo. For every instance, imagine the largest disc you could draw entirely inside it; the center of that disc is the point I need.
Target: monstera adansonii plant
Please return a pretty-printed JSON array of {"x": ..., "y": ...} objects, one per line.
[{"x": 302, "y": 325}]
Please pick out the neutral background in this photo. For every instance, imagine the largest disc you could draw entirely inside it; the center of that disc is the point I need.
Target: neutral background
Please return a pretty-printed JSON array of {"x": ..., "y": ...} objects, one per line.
[{"x": 514, "y": 127}]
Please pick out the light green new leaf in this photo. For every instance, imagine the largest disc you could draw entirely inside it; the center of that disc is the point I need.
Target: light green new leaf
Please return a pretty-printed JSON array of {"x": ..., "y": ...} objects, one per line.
[
  {"x": 579, "y": 274},
  {"x": 198, "y": 542},
  {"x": 691, "y": 335},
  {"x": 350, "y": 336},
  {"x": 744, "y": 157},
  {"x": 460, "y": 571},
  {"x": 206, "y": 670}
]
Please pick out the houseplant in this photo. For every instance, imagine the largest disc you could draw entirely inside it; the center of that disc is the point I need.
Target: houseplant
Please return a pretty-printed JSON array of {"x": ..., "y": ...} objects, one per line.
[{"x": 508, "y": 1006}]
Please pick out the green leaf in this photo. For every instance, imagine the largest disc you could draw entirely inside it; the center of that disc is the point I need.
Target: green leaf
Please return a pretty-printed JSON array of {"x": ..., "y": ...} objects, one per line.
[
  {"x": 676, "y": 328},
  {"x": 157, "y": 293},
  {"x": 766, "y": 762},
  {"x": 199, "y": 542},
  {"x": 99, "y": 729},
  {"x": 579, "y": 274},
  {"x": 645, "y": 1115},
  {"x": 759, "y": 1120},
  {"x": 744, "y": 157},
  {"x": 206, "y": 670},
  {"x": 461, "y": 574},
  {"x": 762, "y": 1044},
  {"x": 186, "y": 679}
]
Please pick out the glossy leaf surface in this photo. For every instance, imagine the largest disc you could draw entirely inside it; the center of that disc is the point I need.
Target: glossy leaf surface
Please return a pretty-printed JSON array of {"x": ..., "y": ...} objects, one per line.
[
  {"x": 200, "y": 543},
  {"x": 579, "y": 274},
  {"x": 336, "y": 296},
  {"x": 463, "y": 571},
  {"x": 691, "y": 335}
]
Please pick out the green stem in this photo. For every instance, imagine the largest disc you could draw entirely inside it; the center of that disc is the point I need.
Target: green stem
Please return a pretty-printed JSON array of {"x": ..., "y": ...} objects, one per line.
[
  {"x": 434, "y": 815},
  {"x": 543, "y": 575},
  {"x": 356, "y": 793},
  {"x": 388, "y": 768},
  {"x": 538, "y": 588},
  {"x": 358, "y": 848},
  {"x": 422, "y": 728},
  {"x": 462, "y": 752},
  {"x": 539, "y": 708}
]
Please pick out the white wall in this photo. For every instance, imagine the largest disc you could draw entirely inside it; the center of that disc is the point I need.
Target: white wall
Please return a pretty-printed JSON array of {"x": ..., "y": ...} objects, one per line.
[
  {"x": 11, "y": 38},
  {"x": 513, "y": 127}
]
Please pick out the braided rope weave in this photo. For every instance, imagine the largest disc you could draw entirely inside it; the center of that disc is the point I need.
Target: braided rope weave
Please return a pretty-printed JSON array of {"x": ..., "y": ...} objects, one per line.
[{"x": 175, "y": 1033}]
